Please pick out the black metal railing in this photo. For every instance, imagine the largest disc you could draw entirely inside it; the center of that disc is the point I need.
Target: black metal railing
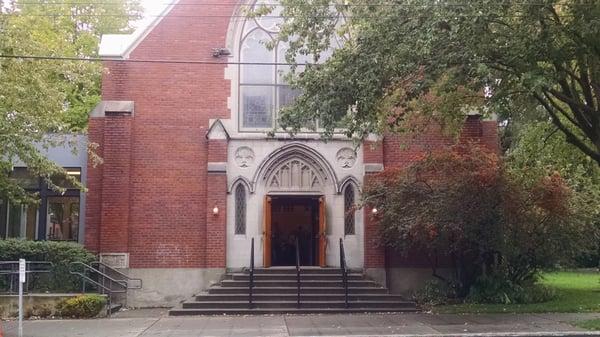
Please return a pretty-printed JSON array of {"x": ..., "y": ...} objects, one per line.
[
  {"x": 103, "y": 283},
  {"x": 251, "y": 281},
  {"x": 298, "y": 272},
  {"x": 11, "y": 270},
  {"x": 344, "y": 270},
  {"x": 132, "y": 283}
]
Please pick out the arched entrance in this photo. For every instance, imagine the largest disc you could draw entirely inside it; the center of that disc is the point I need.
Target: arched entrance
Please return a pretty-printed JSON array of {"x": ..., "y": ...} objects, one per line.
[{"x": 295, "y": 182}]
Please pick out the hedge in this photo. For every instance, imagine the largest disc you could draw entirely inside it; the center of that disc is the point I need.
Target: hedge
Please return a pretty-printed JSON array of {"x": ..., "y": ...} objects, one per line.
[{"x": 61, "y": 254}]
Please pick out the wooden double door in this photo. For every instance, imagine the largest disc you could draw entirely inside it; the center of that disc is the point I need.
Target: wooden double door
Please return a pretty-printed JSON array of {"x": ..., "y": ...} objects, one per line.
[{"x": 290, "y": 219}]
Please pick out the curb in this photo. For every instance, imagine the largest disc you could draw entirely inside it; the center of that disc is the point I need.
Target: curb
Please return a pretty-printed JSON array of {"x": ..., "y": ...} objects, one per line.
[{"x": 493, "y": 334}]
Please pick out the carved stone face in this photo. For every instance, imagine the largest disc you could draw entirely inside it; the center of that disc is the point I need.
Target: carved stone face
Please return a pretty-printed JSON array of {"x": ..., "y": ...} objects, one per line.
[
  {"x": 244, "y": 157},
  {"x": 346, "y": 157}
]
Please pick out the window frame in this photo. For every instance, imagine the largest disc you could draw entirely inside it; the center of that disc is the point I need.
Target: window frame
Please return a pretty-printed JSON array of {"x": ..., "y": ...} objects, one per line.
[
  {"x": 240, "y": 195},
  {"x": 348, "y": 215}
]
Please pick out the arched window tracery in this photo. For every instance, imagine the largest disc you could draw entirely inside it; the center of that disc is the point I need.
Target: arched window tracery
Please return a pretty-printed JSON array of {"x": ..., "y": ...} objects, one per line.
[
  {"x": 349, "y": 210},
  {"x": 240, "y": 210}
]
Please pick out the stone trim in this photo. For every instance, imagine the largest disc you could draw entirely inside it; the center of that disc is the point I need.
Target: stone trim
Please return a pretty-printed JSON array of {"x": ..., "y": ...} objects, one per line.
[
  {"x": 217, "y": 167},
  {"x": 373, "y": 168},
  {"x": 105, "y": 108}
]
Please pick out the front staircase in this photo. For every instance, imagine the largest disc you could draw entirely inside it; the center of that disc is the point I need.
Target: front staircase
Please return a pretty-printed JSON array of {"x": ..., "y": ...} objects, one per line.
[{"x": 275, "y": 290}]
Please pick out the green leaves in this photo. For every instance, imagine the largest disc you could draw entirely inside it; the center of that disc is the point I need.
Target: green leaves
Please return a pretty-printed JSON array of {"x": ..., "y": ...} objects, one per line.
[
  {"x": 38, "y": 97},
  {"x": 529, "y": 57}
]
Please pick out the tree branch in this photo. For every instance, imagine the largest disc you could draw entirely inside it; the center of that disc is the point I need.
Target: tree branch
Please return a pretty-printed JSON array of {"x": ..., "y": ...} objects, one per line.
[{"x": 571, "y": 137}]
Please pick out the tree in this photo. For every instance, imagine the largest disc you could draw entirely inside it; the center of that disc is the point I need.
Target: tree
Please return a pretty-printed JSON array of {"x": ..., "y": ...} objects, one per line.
[
  {"x": 532, "y": 158},
  {"x": 432, "y": 61},
  {"x": 38, "y": 97},
  {"x": 464, "y": 205}
]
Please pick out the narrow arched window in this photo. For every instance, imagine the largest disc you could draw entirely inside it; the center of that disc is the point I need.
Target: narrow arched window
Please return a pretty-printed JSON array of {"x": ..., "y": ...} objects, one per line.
[
  {"x": 349, "y": 211},
  {"x": 240, "y": 210}
]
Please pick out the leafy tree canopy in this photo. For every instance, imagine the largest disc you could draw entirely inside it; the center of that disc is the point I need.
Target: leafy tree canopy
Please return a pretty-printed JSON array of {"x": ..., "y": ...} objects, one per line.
[
  {"x": 431, "y": 61},
  {"x": 42, "y": 97},
  {"x": 465, "y": 204}
]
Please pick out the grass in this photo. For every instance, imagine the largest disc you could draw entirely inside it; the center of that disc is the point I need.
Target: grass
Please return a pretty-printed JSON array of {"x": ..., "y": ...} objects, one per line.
[
  {"x": 592, "y": 324},
  {"x": 575, "y": 292}
]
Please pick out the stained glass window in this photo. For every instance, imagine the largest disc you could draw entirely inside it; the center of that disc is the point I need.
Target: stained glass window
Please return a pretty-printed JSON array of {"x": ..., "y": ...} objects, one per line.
[
  {"x": 263, "y": 89},
  {"x": 240, "y": 210},
  {"x": 349, "y": 216}
]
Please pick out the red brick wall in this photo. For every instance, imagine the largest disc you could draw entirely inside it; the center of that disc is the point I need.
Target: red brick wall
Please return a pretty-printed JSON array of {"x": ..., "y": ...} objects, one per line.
[
  {"x": 374, "y": 254},
  {"x": 167, "y": 188},
  {"x": 94, "y": 184},
  {"x": 400, "y": 151},
  {"x": 114, "y": 230}
]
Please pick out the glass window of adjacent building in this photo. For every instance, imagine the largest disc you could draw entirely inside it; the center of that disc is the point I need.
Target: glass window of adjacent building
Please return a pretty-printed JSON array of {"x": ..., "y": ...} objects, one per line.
[{"x": 54, "y": 217}]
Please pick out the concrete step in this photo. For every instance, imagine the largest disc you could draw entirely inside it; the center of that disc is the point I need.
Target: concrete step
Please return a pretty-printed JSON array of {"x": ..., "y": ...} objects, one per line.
[
  {"x": 292, "y": 297},
  {"x": 293, "y": 290},
  {"x": 266, "y": 311},
  {"x": 305, "y": 283},
  {"x": 293, "y": 277},
  {"x": 293, "y": 304},
  {"x": 303, "y": 270}
]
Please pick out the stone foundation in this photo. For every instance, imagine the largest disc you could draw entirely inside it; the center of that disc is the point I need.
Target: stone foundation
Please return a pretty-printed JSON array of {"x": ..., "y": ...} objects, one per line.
[
  {"x": 166, "y": 287},
  {"x": 405, "y": 281}
]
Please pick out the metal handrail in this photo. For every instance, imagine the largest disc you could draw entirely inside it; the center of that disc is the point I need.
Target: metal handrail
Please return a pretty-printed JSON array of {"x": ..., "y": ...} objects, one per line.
[
  {"x": 251, "y": 282},
  {"x": 126, "y": 278},
  {"x": 344, "y": 269},
  {"x": 14, "y": 271},
  {"x": 100, "y": 285},
  {"x": 86, "y": 267},
  {"x": 298, "y": 271}
]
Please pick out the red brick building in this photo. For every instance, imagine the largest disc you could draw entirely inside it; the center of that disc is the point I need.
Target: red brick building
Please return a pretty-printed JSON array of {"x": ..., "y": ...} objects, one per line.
[{"x": 190, "y": 175}]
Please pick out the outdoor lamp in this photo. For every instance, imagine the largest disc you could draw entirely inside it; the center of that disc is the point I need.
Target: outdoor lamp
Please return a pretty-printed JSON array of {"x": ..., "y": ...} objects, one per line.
[{"x": 216, "y": 211}]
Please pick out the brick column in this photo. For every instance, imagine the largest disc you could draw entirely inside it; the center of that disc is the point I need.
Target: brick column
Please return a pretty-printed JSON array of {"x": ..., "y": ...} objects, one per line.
[
  {"x": 374, "y": 253},
  {"x": 108, "y": 205},
  {"x": 94, "y": 185},
  {"x": 216, "y": 197},
  {"x": 114, "y": 230}
]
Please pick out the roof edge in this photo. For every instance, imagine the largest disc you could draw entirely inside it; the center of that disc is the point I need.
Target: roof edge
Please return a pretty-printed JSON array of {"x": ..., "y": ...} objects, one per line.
[{"x": 128, "y": 42}]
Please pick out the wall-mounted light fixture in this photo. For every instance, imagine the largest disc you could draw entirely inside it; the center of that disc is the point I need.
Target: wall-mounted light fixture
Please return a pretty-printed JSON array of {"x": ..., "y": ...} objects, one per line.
[
  {"x": 374, "y": 210},
  {"x": 216, "y": 211},
  {"x": 218, "y": 52}
]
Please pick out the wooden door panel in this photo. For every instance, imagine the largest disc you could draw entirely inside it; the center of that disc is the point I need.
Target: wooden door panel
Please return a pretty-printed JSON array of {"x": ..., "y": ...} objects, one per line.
[
  {"x": 267, "y": 232},
  {"x": 322, "y": 232}
]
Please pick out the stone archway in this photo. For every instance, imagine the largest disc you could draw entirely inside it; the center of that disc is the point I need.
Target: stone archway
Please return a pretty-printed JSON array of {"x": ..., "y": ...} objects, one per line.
[
  {"x": 295, "y": 175},
  {"x": 295, "y": 168}
]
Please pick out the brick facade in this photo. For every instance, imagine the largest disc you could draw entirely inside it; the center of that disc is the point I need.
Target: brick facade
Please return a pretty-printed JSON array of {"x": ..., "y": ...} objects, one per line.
[
  {"x": 153, "y": 197},
  {"x": 156, "y": 207}
]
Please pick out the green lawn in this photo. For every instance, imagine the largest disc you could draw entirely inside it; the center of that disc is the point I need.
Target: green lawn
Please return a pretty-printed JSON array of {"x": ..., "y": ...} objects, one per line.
[
  {"x": 575, "y": 292},
  {"x": 593, "y": 324}
]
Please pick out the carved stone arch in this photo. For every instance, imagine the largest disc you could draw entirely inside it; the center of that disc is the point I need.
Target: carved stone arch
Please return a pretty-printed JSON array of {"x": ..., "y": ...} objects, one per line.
[
  {"x": 235, "y": 29},
  {"x": 241, "y": 180},
  {"x": 295, "y": 167},
  {"x": 349, "y": 180},
  {"x": 295, "y": 174}
]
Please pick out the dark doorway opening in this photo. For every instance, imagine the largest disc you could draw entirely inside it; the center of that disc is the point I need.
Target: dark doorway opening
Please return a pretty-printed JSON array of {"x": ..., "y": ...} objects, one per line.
[{"x": 295, "y": 217}]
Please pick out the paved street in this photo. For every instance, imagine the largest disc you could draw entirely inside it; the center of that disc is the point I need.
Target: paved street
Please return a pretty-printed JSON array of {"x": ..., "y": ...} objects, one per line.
[{"x": 154, "y": 323}]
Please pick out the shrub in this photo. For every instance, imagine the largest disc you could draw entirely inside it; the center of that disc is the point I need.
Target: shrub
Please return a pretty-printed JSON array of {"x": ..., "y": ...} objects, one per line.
[
  {"x": 434, "y": 292},
  {"x": 83, "y": 306},
  {"x": 464, "y": 207},
  {"x": 61, "y": 254},
  {"x": 500, "y": 290}
]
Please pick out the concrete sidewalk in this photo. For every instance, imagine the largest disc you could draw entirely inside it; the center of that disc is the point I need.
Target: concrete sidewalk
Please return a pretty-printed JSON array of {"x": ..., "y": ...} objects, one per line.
[{"x": 154, "y": 323}]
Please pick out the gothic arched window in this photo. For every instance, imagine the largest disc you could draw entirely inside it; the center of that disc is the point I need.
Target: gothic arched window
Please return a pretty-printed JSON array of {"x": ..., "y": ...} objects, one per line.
[
  {"x": 263, "y": 89},
  {"x": 349, "y": 211},
  {"x": 240, "y": 210}
]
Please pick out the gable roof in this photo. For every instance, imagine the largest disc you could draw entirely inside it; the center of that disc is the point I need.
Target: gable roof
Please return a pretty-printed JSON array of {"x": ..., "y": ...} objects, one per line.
[{"x": 120, "y": 46}]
